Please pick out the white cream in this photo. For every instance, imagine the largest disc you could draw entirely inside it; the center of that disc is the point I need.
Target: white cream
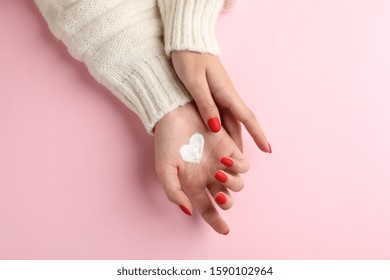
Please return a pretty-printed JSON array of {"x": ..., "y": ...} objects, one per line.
[{"x": 192, "y": 152}]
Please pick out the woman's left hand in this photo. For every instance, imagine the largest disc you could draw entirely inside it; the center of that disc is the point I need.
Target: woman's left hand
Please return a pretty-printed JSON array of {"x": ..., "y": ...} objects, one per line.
[{"x": 187, "y": 184}]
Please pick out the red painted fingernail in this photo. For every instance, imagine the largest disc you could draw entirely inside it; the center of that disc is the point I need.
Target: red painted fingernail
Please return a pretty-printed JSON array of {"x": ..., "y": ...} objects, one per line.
[
  {"x": 185, "y": 210},
  {"x": 270, "y": 149},
  {"x": 220, "y": 176},
  {"x": 214, "y": 125},
  {"x": 227, "y": 162},
  {"x": 221, "y": 198},
  {"x": 227, "y": 232}
]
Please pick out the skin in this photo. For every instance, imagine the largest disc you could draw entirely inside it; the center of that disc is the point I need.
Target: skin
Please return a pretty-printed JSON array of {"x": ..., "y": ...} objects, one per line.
[
  {"x": 189, "y": 184},
  {"x": 209, "y": 84}
]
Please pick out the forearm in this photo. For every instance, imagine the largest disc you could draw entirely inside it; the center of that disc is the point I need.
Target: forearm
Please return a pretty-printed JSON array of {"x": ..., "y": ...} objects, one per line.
[{"x": 120, "y": 41}]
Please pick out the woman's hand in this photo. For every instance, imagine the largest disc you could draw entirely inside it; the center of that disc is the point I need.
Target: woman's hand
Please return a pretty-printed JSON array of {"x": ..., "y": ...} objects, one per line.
[
  {"x": 207, "y": 81},
  {"x": 187, "y": 184}
]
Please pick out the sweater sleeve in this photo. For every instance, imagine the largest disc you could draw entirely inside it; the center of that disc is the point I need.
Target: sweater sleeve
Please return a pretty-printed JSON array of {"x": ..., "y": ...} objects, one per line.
[
  {"x": 120, "y": 41},
  {"x": 189, "y": 25}
]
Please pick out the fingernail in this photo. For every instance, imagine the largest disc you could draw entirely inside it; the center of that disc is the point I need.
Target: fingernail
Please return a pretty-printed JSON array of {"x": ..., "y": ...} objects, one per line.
[
  {"x": 214, "y": 125},
  {"x": 220, "y": 176},
  {"x": 221, "y": 198},
  {"x": 270, "y": 149},
  {"x": 227, "y": 162},
  {"x": 185, "y": 210},
  {"x": 227, "y": 232}
]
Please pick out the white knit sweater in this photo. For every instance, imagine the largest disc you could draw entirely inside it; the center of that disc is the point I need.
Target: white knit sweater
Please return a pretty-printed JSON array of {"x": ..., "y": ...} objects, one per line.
[
  {"x": 121, "y": 42},
  {"x": 189, "y": 25}
]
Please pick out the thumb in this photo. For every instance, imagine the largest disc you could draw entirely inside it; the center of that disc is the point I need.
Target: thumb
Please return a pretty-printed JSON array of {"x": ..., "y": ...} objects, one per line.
[{"x": 171, "y": 184}]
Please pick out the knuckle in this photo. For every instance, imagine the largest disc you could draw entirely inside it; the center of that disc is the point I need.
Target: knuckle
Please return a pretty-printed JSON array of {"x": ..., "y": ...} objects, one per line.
[
  {"x": 250, "y": 118},
  {"x": 242, "y": 184},
  {"x": 244, "y": 166},
  {"x": 208, "y": 107},
  {"x": 238, "y": 185},
  {"x": 208, "y": 213},
  {"x": 247, "y": 167},
  {"x": 171, "y": 195},
  {"x": 159, "y": 170}
]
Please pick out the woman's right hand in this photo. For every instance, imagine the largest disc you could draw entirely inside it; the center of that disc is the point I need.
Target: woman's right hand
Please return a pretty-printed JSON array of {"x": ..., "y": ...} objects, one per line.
[{"x": 209, "y": 84}]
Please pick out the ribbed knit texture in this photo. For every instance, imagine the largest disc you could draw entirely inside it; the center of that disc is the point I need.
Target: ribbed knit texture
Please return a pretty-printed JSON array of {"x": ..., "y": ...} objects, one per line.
[
  {"x": 189, "y": 25},
  {"x": 121, "y": 43}
]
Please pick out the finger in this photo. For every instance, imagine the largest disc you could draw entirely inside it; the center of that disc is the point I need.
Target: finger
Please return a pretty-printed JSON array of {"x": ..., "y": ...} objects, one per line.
[
  {"x": 235, "y": 165},
  {"x": 241, "y": 111},
  {"x": 233, "y": 128},
  {"x": 221, "y": 195},
  {"x": 206, "y": 208},
  {"x": 226, "y": 96},
  {"x": 171, "y": 184},
  {"x": 200, "y": 91},
  {"x": 232, "y": 182}
]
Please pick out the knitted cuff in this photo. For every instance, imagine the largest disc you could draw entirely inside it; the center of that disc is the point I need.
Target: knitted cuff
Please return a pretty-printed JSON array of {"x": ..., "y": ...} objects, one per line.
[
  {"x": 120, "y": 41},
  {"x": 189, "y": 25},
  {"x": 142, "y": 78}
]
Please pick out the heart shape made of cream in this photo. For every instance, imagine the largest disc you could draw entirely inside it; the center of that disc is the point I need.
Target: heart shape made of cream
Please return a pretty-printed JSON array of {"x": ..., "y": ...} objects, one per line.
[{"x": 192, "y": 152}]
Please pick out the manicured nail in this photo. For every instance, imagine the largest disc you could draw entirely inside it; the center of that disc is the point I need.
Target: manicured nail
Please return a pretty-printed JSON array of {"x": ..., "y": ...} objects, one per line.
[
  {"x": 221, "y": 198},
  {"x": 270, "y": 149},
  {"x": 220, "y": 176},
  {"x": 214, "y": 125},
  {"x": 227, "y": 232},
  {"x": 185, "y": 210},
  {"x": 227, "y": 162}
]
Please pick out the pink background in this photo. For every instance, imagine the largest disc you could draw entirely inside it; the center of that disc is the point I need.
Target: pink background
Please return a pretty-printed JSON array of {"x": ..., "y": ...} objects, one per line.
[{"x": 77, "y": 176}]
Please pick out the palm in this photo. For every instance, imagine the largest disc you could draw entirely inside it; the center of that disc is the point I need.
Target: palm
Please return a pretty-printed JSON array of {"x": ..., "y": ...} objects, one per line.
[
  {"x": 174, "y": 131},
  {"x": 195, "y": 177}
]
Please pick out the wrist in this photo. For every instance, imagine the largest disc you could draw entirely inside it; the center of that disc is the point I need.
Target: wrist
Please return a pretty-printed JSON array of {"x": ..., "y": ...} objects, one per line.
[{"x": 179, "y": 117}]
